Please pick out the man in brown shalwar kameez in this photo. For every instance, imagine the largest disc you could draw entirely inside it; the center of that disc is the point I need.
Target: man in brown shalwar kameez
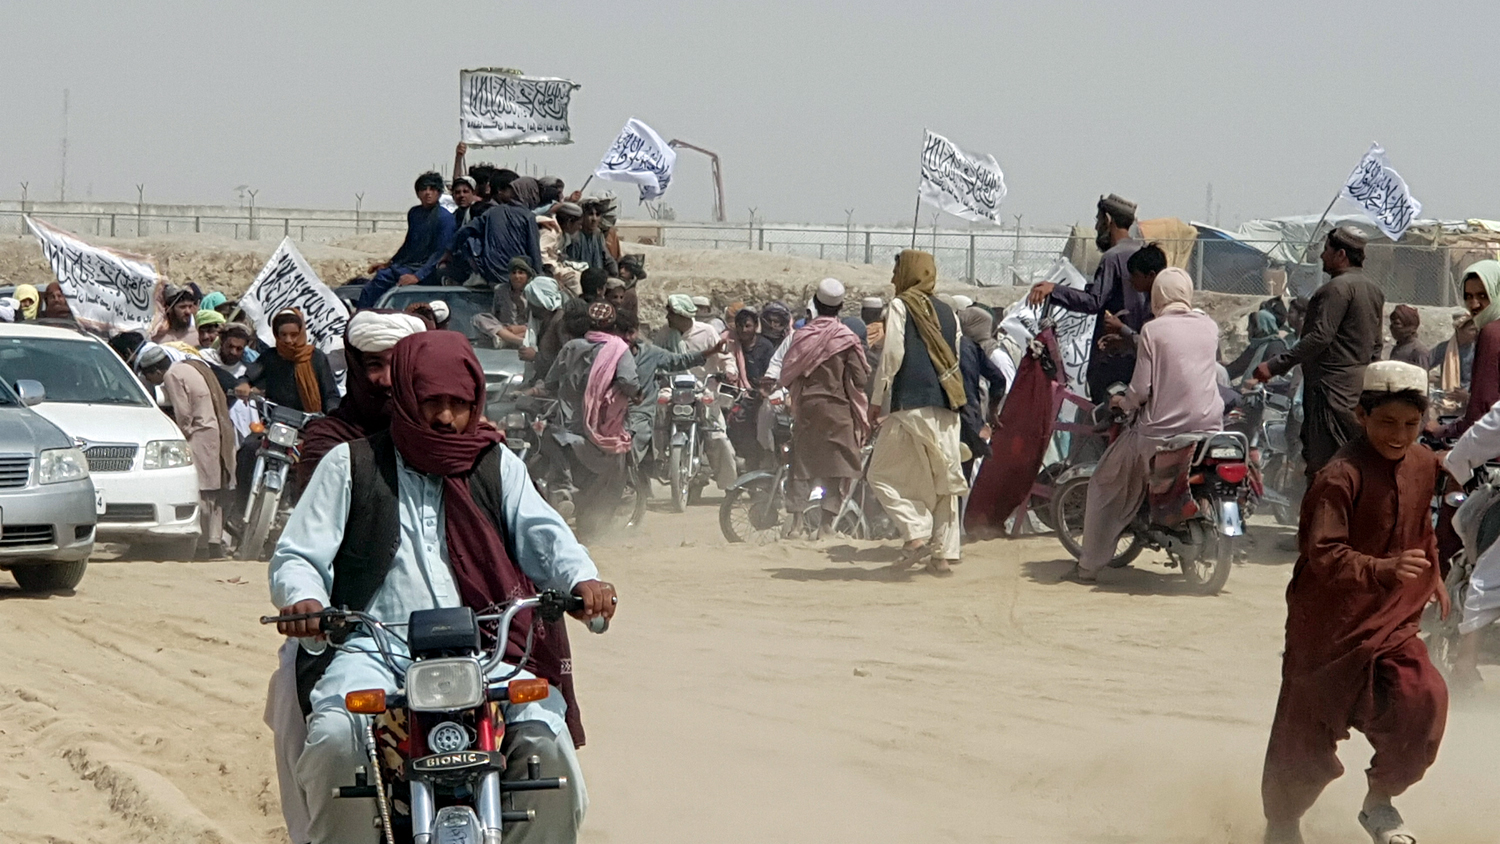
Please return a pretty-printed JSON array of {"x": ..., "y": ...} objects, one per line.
[
  {"x": 202, "y": 412},
  {"x": 1368, "y": 567},
  {"x": 826, "y": 371},
  {"x": 1340, "y": 336}
]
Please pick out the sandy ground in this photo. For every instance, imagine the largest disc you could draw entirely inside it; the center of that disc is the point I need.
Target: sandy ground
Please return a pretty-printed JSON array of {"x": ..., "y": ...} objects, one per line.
[{"x": 790, "y": 693}]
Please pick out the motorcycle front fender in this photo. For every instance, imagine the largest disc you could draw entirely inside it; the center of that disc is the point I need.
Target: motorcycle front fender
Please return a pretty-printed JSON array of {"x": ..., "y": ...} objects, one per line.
[
  {"x": 749, "y": 478},
  {"x": 1230, "y": 522},
  {"x": 679, "y": 437}
]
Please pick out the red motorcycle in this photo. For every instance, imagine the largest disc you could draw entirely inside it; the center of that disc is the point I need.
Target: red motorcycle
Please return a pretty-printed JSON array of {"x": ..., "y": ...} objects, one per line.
[
  {"x": 1199, "y": 487},
  {"x": 436, "y": 770}
]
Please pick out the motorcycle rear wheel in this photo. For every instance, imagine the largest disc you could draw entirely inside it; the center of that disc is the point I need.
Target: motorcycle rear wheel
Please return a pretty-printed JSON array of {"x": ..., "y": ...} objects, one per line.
[
  {"x": 1069, "y": 503},
  {"x": 637, "y": 493},
  {"x": 263, "y": 505},
  {"x": 1208, "y": 570},
  {"x": 752, "y": 513}
]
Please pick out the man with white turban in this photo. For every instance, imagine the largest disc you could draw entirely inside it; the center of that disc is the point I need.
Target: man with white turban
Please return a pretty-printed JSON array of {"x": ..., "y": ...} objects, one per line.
[{"x": 368, "y": 340}]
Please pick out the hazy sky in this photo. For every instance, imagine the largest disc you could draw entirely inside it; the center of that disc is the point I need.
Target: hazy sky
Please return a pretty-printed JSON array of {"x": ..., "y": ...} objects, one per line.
[{"x": 815, "y": 107}]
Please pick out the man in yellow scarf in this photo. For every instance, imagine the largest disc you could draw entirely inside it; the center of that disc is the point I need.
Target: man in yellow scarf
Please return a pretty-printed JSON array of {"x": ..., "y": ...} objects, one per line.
[{"x": 915, "y": 470}]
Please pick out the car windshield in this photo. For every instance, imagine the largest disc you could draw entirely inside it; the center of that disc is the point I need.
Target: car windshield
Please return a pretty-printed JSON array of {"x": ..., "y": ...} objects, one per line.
[
  {"x": 463, "y": 304},
  {"x": 73, "y": 371}
]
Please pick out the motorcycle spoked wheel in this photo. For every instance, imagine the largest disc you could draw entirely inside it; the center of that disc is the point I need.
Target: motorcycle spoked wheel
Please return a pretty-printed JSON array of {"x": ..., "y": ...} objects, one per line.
[
  {"x": 258, "y": 521},
  {"x": 1069, "y": 502},
  {"x": 1276, "y": 478},
  {"x": 1207, "y": 571},
  {"x": 1041, "y": 506},
  {"x": 752, "y": 513},
  {"x": 679, "y": 472}
]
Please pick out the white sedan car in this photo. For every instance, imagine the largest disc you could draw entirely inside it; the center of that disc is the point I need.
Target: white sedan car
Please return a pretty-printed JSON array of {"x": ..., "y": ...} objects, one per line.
[{"x": 142, "y": 468}]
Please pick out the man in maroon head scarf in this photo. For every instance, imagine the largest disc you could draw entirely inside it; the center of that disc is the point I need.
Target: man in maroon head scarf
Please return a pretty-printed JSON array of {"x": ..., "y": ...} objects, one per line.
[{"x": 435, "y": 512}]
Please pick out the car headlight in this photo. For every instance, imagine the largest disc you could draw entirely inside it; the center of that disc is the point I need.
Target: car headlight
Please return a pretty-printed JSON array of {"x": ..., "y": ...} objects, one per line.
[
  {"x": 444, "y": 685},
  {"x": 62, "y": 464},
  {"x": 168, "y": 454}
]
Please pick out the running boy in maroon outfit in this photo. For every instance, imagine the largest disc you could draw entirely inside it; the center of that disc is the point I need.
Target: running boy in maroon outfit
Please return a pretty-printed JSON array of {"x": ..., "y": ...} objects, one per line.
[{"x": 1353, "y": 659}]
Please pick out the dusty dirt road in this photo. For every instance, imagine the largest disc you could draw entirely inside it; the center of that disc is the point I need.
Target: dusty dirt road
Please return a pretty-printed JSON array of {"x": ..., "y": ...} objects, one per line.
[{"x": 789, "y": 693}]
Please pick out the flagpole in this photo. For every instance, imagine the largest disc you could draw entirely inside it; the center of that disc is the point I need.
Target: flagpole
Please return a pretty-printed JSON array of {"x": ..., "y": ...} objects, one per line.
[
  {"x": 1314, "y": 235},
  {"x": 916, "y": 217}
]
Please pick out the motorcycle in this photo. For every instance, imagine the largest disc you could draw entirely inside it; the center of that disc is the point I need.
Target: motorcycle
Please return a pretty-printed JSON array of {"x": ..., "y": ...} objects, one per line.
[
  {"x": 536, "y": 433},
  {"x": 1197, "y": 490},
  {"x": 1275, "y": 481},
  {"x": 1477, "y": 521},
  {"x": 436, "y": 769},
  {"x": 269, "y": 502},
  {"x": 756, "y": 504},
  {"x": 685, "y": 470}
]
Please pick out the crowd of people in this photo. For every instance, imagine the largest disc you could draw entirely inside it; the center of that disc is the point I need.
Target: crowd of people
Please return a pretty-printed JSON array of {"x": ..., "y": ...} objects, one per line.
[{"x": 908, "y": 393}]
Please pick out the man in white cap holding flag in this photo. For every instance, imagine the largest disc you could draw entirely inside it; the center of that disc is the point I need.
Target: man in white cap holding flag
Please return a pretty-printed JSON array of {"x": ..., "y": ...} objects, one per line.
[{"x": 826, "y": 371}]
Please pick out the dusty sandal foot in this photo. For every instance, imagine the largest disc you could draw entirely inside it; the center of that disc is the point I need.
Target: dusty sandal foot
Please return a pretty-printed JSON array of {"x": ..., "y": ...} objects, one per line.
[
  {"x": 909, "y": 558},
  {"x": 940, "y": 567},
  {"x": 1385, "y": 826},
  {"x": 1078, "y": 575}
]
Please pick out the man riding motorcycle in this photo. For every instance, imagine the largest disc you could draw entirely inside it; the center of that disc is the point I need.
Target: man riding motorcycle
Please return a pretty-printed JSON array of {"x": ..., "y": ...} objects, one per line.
[
  {"x": 431, "y": 514},
  {"x": 1175, "y": 388}
]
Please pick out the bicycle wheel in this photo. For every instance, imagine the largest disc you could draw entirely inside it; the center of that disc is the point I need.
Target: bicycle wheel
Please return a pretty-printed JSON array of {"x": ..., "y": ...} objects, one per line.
[{"x": 752, "y": 513}]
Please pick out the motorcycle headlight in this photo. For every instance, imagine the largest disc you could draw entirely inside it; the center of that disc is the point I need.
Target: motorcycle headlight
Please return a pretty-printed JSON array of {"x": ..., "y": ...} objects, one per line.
[
  {"x": 168, "y": 454},
  {"x": 62, "y": 464},
  {"x": 515, "y": 420},
  {"x": 283, "y": 435},
  {"x": 444, "y": 685},
  {"x": 684, "y": 410}
]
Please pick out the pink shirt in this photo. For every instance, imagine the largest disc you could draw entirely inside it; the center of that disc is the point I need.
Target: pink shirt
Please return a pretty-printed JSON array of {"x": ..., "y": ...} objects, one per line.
[{"x": 1176, "y": 382}]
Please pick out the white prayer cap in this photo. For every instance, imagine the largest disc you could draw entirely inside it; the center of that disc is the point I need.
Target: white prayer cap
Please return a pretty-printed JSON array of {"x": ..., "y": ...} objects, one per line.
[
  {"x": 148, "y": 356},
  {"x": 872, "y": 303},
  {"x": 439, "y": 309},
  {"x": 702, "y": 302},
  {"x": 1394, "y": 376},
  {"x": 830, "y": 292},
  {"x": 371, "y": 332},
  {"x": 961, "y": 302}
]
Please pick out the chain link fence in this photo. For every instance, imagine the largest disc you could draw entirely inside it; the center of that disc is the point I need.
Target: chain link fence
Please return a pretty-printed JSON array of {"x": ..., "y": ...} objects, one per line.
[
  {"x": 306, "y": 226},
  {"x": 1424, "y": 272}
]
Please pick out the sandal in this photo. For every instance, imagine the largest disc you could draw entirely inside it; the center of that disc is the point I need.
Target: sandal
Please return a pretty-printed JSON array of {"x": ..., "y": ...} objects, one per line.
[
  {"x": 910, "y": 557},
  {"x": 1385, "y": 826}
]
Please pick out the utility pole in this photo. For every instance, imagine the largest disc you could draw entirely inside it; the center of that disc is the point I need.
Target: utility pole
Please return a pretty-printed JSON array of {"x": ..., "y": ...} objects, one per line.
[
  {"x": 1208, "y": 204},
  {"x": 848, "y": 234},
  {"x": 62, "y": 187},
  {"x": 253, "y": 233},
  {"x": 140, "y": 204},
  {"x": 359, "y": 199}
]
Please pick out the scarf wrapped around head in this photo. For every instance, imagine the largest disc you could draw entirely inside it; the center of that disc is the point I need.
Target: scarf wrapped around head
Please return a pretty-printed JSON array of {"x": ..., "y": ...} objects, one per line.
[
  {"x": 1488, "y": 273},
  {"x": 1263, "y": 325},
  {"x": 213, "y": 301},
  {"x": 363, "y": 411},
  {"x": 300, "y": 353},
  {"x": 1172, "y": 292},
  {"x": 543, "y": 293},
  {"x": 916, "y": 280},
  {"x": 528, "y": 192},
  {"x": 30, "y": 301},
  {"x": 978, "y": 325},
  {"x": 442, "y": 363}
]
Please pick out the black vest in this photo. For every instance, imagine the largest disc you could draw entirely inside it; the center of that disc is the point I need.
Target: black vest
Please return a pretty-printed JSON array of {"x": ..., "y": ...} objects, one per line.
[
  {"x": 372, "y": 535},
  {"x": 916, "y": 383}
]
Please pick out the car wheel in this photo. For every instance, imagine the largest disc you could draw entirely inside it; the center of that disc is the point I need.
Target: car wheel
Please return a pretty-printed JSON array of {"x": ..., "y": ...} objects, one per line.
[{"x": 49, "y": 577}]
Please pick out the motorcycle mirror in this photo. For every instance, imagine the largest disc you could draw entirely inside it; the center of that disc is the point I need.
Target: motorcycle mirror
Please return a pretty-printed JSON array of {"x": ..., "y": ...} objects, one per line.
[{"x": 1454, "y": 499}]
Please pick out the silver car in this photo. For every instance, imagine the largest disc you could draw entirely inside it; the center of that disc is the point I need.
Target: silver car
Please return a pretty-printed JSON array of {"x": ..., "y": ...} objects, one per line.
[{"x": 47, "y": 503}]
